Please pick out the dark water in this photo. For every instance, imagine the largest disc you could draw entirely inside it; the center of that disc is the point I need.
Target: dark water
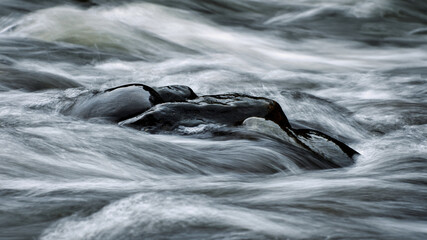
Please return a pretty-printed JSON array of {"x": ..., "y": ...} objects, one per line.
[{"x": 353, "y": 69}]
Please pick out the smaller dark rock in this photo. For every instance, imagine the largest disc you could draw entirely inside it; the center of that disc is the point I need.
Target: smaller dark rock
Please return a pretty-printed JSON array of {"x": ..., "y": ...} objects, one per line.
[{"x": 176, "y": 93}]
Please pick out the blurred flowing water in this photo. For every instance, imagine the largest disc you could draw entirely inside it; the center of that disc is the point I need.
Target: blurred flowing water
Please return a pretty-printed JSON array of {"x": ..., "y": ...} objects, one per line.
[{"x": 354, "y": 69}]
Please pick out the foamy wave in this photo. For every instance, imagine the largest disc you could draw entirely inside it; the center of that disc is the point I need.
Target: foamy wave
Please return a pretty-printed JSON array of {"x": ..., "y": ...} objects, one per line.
[
  {"x": 144, "y": 215},
  {"x": 92, "y": 28}
]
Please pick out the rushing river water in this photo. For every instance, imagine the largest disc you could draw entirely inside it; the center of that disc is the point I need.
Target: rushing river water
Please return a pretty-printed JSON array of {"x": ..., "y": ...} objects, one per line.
[{"x": 354, "y": 69}]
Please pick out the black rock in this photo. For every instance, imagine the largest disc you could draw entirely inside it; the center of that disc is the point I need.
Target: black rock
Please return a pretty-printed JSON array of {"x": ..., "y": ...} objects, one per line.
[
  {"x": 116, "y": 104},
  {"x": 176, "y": 93},
  {"x": 170, "y": 109},
  {"x": 227, "y": 109}
]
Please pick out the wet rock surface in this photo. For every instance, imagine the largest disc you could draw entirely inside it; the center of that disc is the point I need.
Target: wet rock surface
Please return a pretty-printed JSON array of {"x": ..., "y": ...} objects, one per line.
[{"x": 170, "y": 109}]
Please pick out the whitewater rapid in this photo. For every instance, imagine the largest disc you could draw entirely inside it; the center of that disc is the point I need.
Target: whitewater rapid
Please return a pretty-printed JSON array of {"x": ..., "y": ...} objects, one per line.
[{"x": 354, "y": 70}]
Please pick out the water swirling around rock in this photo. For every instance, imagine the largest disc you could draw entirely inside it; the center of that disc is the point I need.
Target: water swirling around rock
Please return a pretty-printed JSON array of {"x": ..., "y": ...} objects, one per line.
[{"x": 177, "y": 109}]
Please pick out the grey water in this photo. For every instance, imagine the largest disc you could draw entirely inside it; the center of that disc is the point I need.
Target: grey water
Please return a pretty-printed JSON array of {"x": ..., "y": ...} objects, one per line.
[{"x": 354, "y": 69}]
